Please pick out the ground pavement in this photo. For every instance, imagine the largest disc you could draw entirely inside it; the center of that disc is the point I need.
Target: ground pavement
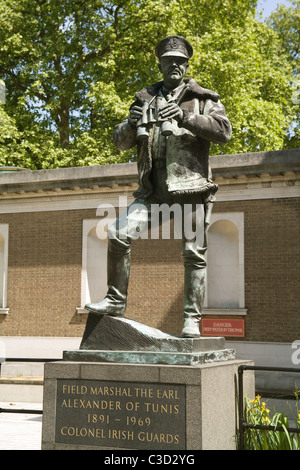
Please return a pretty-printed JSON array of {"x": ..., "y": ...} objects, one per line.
[{"x": 19, "y": 431}]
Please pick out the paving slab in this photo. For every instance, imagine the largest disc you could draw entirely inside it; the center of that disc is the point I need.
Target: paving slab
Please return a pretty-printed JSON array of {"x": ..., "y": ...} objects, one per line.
[{"x": 20, "y": 431}]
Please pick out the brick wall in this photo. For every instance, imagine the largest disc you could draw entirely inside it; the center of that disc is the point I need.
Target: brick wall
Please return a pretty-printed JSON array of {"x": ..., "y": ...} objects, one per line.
[
  {"x": 271, "y": 267},
  {"x": 44, "y": 273},
  {"x": 44, "y": 269}
]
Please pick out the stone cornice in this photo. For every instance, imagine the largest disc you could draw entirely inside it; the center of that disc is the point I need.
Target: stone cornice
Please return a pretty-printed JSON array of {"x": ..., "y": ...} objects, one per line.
[
  {"x": 70, "y": 179},
  {"x": 274, "y": 162},
  {"x": 265, "y": 169}
]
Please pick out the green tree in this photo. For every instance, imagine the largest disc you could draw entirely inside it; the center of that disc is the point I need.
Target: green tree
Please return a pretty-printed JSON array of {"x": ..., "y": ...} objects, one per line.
[
  {"x": 72, "y": 68},
  {"x": 286, "y": 22}
]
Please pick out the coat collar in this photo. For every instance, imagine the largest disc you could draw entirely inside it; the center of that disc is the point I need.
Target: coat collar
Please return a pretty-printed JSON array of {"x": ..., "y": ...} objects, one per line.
[{"x": 192, "y": 90}]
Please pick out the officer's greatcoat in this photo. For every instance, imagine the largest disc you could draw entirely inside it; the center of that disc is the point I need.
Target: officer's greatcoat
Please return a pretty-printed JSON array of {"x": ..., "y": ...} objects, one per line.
[{"x": 186, "y": 152}]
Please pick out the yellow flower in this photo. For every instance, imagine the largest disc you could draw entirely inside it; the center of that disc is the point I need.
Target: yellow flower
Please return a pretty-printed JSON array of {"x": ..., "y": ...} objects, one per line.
[{"x": 263, "y": 407}]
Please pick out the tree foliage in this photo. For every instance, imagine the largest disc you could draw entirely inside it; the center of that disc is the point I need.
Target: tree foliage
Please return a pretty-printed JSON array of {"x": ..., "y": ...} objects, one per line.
[
  {"x": 72, "y": 68},
  {"x": 286, "y": 22}
]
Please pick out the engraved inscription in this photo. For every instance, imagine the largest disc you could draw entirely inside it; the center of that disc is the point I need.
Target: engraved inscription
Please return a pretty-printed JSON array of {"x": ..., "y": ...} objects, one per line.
[{"x": 119, "y": 414}]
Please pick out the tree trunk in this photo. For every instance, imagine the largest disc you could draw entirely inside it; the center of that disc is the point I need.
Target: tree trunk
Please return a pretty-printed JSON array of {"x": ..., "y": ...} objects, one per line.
[{"x": 64, "y": 130}]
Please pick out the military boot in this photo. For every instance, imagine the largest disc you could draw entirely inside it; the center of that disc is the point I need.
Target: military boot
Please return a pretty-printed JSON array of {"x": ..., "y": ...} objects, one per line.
[
  {"x": 194, "y": 291},
  {"x": 114, "y": 303}
]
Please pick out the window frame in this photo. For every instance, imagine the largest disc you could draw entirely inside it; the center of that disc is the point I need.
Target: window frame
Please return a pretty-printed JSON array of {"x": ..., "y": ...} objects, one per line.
[
  {"x": 4, "y": 231},
  {"x": 237, "y": 218}
]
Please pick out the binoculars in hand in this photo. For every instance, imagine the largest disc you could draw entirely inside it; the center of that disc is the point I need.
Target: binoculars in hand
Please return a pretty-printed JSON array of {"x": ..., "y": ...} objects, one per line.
[{"x": 150, "y": 116}]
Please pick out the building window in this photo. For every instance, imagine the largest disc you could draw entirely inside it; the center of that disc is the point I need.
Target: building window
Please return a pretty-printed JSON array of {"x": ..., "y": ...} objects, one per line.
[
  {"x": 225, "y": 265},
  {"x": 3, "y": 268},
  {"x": 94, "y": 262}
]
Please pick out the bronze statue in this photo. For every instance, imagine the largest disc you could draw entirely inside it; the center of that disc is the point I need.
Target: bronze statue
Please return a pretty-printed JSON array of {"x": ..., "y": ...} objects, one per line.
[{"x": 172, "y": 123}]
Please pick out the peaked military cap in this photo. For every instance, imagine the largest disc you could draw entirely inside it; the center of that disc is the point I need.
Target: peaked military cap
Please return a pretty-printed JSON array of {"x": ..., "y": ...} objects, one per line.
[{"x": 174, "y": 46}]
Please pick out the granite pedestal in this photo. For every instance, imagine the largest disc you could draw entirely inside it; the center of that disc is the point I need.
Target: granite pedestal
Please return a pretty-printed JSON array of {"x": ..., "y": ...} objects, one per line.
[
  {"x": 130, "y": 386},
  {"x": 113, "y": 406}
]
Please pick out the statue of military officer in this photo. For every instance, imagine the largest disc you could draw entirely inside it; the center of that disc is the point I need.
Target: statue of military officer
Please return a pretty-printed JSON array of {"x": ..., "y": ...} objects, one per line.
[{"x": 172, "y": 123}]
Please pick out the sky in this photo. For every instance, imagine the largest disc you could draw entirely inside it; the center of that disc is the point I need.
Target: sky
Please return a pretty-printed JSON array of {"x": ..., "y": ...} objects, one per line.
[{"x": 270, "y": 5}]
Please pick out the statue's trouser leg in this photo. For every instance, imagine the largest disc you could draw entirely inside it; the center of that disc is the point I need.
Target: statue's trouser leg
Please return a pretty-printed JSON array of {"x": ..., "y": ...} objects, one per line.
[
  {"x": 193, "y": 254},
  {"x": 133, "y": 221}
]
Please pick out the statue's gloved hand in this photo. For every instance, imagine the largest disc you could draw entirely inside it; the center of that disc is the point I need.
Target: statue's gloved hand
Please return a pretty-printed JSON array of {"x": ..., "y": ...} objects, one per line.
[
  {"x": 135, "y": 114},
  {"x": 171, "y": 111}
]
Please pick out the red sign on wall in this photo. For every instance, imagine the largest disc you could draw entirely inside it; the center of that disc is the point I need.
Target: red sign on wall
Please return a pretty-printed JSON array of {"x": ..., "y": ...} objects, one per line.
[{"x": 223, "y": 327}]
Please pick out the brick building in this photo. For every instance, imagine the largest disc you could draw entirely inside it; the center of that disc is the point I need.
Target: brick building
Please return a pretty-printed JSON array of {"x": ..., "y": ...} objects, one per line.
[{"x": 52, "y": 261}]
